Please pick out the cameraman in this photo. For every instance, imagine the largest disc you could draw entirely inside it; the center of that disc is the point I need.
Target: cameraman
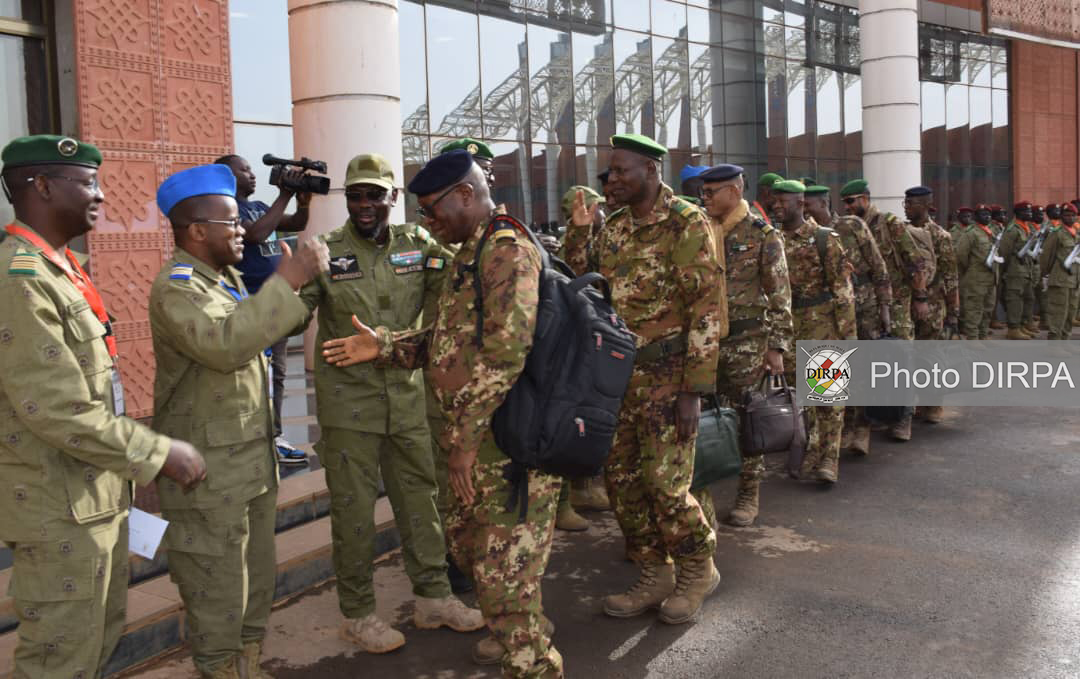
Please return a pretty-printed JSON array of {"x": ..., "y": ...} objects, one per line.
[{"x": 261, "y": 255}]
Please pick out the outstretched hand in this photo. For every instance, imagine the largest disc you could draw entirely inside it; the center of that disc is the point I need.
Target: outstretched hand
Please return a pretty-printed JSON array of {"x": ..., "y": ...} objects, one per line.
[
  {"x": 581, "y": 214},
  {"x": 359, "y": 348}
]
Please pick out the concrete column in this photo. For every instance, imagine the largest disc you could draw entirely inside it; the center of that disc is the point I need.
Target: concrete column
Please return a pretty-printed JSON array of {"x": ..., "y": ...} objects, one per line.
[
  {"x": 891, "y": 130},
  {"x": 346, "y": 93}
]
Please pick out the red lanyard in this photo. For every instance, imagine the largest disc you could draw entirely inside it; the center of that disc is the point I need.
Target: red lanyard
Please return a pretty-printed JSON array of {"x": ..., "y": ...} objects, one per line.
[{"x": 78, "y": 278}]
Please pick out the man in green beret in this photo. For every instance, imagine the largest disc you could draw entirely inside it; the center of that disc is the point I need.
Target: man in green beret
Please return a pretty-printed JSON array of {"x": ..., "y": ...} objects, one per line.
[
  {"x": 763, "y": 205},
  {"x": 822, "y": 308},
  {"x": 372, "y": 418},
  {"x": 481, "y": 153},
  {"x": 69, "y": 455},
  {"x": 660, "y": 257}
]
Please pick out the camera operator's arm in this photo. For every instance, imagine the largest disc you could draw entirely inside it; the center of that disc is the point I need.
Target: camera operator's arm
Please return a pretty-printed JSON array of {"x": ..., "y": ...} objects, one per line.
[{"x": 275, "y": 218}]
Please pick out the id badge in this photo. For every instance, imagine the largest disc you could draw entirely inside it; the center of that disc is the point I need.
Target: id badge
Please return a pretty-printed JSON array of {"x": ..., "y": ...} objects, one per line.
[{"x": 117, "y": 393}]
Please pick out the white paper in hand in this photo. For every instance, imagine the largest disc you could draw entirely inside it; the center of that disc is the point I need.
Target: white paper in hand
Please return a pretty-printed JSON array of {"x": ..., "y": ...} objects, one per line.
[{"x": 145, "y": 532}]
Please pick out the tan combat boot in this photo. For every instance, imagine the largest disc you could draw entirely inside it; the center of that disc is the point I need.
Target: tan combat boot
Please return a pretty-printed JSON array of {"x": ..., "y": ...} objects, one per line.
[
  {"x": 746, "y": 503},
  {"x": 901, "y": 431},
  {"x": 698, "y": 578},
  {"x": 589, "y": 494},
  {"x": 598, "y": 497},
  {"x": 996, "y": 324},
  {"x": 488, "y": 651},
  {"x": 247, "y": 665},
  {"x": 568, "y": 519},
  {"x": 828, "y": 470},
  {"x": 860, "y": 439},
  {"x": 933, "y": 414},
  {"x": 372, "y": 635},
  {"x": 656, "y": 583},
  {"x": 448, "y": 611},
  {"x": 225, "y": 670},
  {"x": 1017, "y": 334}
]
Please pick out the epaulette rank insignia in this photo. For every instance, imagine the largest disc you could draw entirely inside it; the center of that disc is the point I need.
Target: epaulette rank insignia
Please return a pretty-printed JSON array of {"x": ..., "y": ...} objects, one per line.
[
  {"x": 684, "y": 209},
  {"x": 503, "y": 233},
  {"x": 181, "y": 272},
  {"x": 24, "y": 264}
]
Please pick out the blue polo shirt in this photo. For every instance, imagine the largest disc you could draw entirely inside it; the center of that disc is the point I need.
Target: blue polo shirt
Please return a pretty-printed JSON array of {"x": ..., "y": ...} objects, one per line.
[{"x": 256, "y": 267}]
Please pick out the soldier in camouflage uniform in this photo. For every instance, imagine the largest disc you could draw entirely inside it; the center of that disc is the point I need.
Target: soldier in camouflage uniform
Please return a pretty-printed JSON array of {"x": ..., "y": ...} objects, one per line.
[
  {"x": 211, "y": 386},
  {"x": 667, "y": 283},
  {"x": 977, "y": 281},
  {"x": 759, "y": 313},
  {"x": 507, "y": 557},
  {"x": 761, "y": 207},
  {"x": 1020, "y": 274},
  {"x": 68, "y": 454},
  {"x": 1063, "y": 282},
  {"x": 372, "y": 418},
  {"x": 822, "y": 308},
  {"x": 872, "y": 288}
]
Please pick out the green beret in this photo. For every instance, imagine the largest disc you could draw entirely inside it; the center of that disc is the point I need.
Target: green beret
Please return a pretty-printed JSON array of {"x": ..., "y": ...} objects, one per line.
[
  {"x": 639, "y": 143},
  {"x": 808, "y": 181},
  {"x": 816, "y": 190},
  {"x": 789, "y": 186},
  {"x": 49, "y": 149},
  {"x": 855, "y": 187},
  {"x": 477, "y": 148},
  {"x": 768, "y": 179},
  {"x": 591, "y": 198}
]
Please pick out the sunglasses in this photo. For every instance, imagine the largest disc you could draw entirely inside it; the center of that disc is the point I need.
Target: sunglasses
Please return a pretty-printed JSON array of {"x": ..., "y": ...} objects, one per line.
[
  {"x": 427, "y": 212},
  {"x": 374, "y": 195},
  {"x": 850, "y": 199}
]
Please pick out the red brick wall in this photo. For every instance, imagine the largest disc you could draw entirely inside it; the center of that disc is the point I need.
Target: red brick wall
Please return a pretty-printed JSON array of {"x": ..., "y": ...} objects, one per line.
[{"x": 1044, "y": 122}]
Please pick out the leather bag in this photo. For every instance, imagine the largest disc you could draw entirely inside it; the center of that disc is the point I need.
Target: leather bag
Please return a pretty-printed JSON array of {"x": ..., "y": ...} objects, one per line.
[
  {"x": 717, "y": 454},
  {"x": 773, "y": 422}
]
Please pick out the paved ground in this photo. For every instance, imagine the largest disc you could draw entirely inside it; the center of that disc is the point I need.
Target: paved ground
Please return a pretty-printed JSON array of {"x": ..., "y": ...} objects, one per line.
[{"x": 955, "y": 555}]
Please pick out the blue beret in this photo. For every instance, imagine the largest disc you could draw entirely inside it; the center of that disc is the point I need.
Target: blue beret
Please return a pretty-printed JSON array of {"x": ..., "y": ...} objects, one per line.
[
  {"x": 918, "y": 191},
  {"x": 691, "y": 171},
  {"x": 441, "y": 171},
  {"x": 201, "y": 180},
  {"x": 721, "y": 173}
]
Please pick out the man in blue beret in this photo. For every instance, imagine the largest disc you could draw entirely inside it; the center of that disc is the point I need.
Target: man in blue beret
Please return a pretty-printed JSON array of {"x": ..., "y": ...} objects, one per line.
[
  {"x": 690, "y": 178},
  {"x": 70, "y": 455},
  {"x": 470, "y": 380},
  {"x": 211, "y": 386}
]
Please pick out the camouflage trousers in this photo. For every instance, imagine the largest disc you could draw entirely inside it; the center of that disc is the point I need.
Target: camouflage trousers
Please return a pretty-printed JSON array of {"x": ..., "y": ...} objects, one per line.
[
  {"x": 222, "y": 561},
  {"x": 825, "y": 426},
  {"x": 354, "y": 461},
  {"x": 1060, "y": 306},
  {"x": 975, "y": 298},
  {"x": 930, "y": 328},
  {"x": 1019, "y": 298},
  {"x": 867, "y": 312},
  {"x": 900, "y": 313},
  {"x": 70, "y": 594},
  {"x": 649, "y": 471},
  {"x": 507, "y": 559}
]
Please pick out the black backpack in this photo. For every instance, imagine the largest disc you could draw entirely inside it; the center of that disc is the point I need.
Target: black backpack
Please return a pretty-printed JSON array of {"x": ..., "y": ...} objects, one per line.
[{"x": 560, "y": 415}]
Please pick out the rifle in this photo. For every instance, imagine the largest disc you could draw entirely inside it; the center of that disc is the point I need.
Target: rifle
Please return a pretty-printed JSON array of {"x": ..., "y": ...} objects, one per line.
[
  {"x": 1043, "y": 233},
  {"x": 993, "y": 257},
  {"x": 1028, "y": 245},
  {"x": 1074, "y": 254}
]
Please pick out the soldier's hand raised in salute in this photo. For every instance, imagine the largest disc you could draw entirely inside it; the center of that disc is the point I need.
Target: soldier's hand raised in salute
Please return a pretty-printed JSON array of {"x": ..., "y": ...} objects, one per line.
[
  {"x": 184, "y": 464},
  {"x": 582, "y": 214},
  {"x": 311, "y": 259},
  {"x": 359, "y": 348}
]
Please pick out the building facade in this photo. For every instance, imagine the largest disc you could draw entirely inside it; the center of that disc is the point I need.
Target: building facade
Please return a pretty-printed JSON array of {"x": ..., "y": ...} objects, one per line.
[{"x": 975, "y": 98}]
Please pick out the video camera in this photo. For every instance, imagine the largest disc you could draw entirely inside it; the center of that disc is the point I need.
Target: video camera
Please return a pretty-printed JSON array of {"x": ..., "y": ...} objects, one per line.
[{"x": 307, "y": 183}]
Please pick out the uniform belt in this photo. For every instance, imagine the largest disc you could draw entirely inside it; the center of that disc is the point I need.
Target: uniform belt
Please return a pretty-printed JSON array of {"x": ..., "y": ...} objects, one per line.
[
  {"x": 806, "y": 302},
  {"x": 736, "y": 328},
  {"x": 661, "y": 348}
]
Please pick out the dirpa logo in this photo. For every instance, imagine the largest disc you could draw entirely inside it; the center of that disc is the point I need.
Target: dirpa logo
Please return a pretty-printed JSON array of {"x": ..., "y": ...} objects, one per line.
[{"x": 828, "y": 374}]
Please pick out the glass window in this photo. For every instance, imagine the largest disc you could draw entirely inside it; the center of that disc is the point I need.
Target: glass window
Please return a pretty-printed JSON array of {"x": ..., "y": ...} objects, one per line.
[
  {"x": 774, "y": 40},
  {"x": 504, "y": 76},
  {"x": 956, "y": 124},
  {"x": 981, "y": 117},
  {"x": 589, "y": 162},
  {"x": 594, "y": 88},
  {"x": 795, "y": 43},
  {"x": 799, "y": 133},
  {"x": 776, "y": 89},
  {"x": 632, "y": 14},
  {"x": 553, "y": 172},
  {"x": 550, "y": 84},
  {"x": 669, "y": 19},
  {"x": 511, "y": 177},
  {"x": 830, "y": 114},
  {"x": 26, "y": 10},
  {"x": 737, "y": 32},
  {"x": 702, "y": 66},
  {"x": 979, "y": 73},
  {"x": 414, "y": 110},
  {"x": 852, "y": 117},
  {"x": 1000, "y": 125},
  {"x": 671, "y": 98},
  {"x": 934, "y": 146},
  {"x": 453, "y": 72},
  {"x": 773, "y": 11},
  {"x": 699, "y": 24},
  {"x": 633, "y": 83},
  {"x": 259, "y": 50},
  {"x": 999, "y": 76}
]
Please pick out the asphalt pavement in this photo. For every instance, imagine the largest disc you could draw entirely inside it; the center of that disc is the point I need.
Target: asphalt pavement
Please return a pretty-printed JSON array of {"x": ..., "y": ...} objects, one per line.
[{"x": 956, "y": 554}]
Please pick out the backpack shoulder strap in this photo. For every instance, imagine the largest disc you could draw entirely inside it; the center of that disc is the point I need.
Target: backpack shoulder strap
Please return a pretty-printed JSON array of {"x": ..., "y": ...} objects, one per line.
[{"x": 501, "y": 226}]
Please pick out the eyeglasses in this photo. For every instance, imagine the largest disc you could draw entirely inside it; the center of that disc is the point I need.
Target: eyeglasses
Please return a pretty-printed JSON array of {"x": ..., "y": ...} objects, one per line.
[
  {"x": 234, "y": 223},
  {"x": 851, "y": 199},
  {"x": 374, "y": 195},
  {"x": 90, "y": 184},
  {"x": 426, "y": 212},
  {"x": 709, "y": 193}
]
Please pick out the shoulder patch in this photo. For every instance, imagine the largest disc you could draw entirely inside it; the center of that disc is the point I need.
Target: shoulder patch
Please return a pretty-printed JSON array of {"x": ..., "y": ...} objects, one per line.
[
  {"x": 181, "y": 272},
  {"x": 436, "y": 263},
  {"x": 764, "y": 226},
  {"x": 24, "y": 263},
  {"x": 685, "y": 209}
]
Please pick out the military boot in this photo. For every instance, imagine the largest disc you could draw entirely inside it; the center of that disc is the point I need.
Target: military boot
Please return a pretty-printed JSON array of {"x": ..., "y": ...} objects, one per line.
[
  {"x": 448, "y": 611},
  {"x": 1031, "y": 329},
  {"x": 828, "y": 470},
  {"x": 656, "y": 583},
  {"x": 860, "y": 439},
  {"x": 698, "y": 578},
  {"x": 568, "y": 519},
  {"x": 746, "y": 503},
  {"x": 372, "y": 635},
  {"x": 488, "y": 651},
  {"x": 996, "y": 324},
  {"x": 247, "y": 665},
  {"x": 933, "y": 414},
  {"x": 845, "y": 438},
  {"x": 1017, "y": 334},
  {"x": 224, "y": 671},
  {"x": 901, "y": 431},
  {"x": 589, "y": 494}
]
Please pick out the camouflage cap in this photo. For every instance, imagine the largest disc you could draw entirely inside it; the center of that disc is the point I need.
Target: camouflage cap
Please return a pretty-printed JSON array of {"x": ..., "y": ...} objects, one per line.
[
  {"x": 477, "y": 148},
  {"x": 370, "y": 168},
  {"x": 591, "y": 198},
  {"x": 789, "y": 186},
  {"x": 640, "y": 144},
  {"x": 49, "y": 149}
]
